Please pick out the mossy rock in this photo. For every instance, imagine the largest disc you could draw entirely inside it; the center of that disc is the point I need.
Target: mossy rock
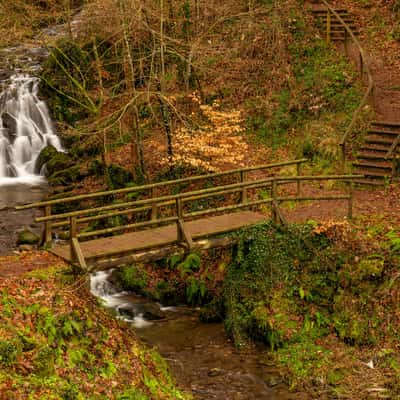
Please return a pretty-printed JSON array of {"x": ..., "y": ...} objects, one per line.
[
  {"x": 27, "y": 237},
  {"x": 133, "y": 278},
  {"x": 51, "y": 161},
  {"x": 213, "y": 311},
  {"x": 66, "y": 176}
]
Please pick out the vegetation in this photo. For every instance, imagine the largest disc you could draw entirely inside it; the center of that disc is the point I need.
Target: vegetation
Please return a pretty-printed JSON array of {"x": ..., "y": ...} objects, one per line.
[{"x": 57, "y": 343}]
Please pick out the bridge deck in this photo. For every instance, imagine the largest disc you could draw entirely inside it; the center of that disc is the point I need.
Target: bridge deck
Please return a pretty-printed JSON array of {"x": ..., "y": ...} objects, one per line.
[{"x": 161, "y": 236}]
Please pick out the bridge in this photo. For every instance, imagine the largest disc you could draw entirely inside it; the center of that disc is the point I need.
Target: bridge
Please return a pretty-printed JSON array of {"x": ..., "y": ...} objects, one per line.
[{"x": 153, "y": 221}]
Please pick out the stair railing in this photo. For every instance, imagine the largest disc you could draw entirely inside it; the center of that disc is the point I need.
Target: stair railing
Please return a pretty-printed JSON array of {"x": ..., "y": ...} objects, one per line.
[
  {"x": 392, "y": 154},
  {"x": 363, "y": 68}
]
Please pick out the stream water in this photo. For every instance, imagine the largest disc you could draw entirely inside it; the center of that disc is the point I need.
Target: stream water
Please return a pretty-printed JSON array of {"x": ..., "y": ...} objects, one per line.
[
  {"x": 25, "y": 129},
  {"x": 200, "y": 356}
]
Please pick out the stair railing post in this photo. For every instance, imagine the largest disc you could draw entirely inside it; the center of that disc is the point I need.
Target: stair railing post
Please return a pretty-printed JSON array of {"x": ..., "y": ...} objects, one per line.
[
  {"x": 47, "y": 228},
  {"x": 243, "y": 193},
  {"x": 328, "y": 26},
  {"x": 346, "y": 45},
  {"x": 361, "y": 66}
]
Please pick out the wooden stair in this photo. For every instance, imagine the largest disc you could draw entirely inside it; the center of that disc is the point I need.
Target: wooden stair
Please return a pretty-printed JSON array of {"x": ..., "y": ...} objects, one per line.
[
  {"x": 337, "y": 31},
  {"x": 371, "y": 159}
]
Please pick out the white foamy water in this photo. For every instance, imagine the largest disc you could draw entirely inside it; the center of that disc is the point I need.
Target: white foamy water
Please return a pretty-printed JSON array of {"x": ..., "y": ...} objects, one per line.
[
  {"x": 102, "y": 288},
  {"x": 25, "y": 129}
]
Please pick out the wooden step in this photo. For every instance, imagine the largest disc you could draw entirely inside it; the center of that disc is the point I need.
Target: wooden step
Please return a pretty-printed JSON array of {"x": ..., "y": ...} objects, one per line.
[
  {"x": 392, "y": 124},
  {"x": 381, "y": 148},
  {"x": 384, "y": 165},
  {"x": 371, "y": 181},
  {"x": 384, "y": 132},
  {"x": 379, "y": 140},
  {"x": 324, "y": 11},
  {"x": 336, "y": 22},
  {"x": 370, "y": 155},
  {"x": 373, "y": 173}
]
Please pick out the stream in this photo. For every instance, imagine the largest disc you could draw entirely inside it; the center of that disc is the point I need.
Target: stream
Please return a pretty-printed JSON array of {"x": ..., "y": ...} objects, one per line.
[
  {"x": 200, "y": 356},
  {"x": 25, "y": 129}
]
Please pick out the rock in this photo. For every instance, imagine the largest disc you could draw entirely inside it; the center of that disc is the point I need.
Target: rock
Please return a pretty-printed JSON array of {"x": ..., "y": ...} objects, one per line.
[
  {"x": 63, "y": 235},
  {"x": 127, "y": 312},
  {"x": 27, "y": 237},
  {"x": 10, "y": 124},
  {"x": 151, "y": 311},
  {"x": 273, "y": 380},
  {"x": 26, "y": 247},
  {"x": 66, "y": 176},
  {"x": 52, "y": 161},
  {"x": 44, "y": 157},
  {"x": 214, "y": 372}
]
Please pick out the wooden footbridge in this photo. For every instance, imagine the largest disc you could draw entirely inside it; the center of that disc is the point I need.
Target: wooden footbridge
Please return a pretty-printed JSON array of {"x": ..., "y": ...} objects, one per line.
[{"x": 153, "y": 221}]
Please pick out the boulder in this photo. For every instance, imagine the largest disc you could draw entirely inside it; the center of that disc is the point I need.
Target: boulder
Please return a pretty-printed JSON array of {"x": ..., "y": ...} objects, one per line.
[
  {"x": 27, "y": 237},
  {"x": 51, "y": 161}
]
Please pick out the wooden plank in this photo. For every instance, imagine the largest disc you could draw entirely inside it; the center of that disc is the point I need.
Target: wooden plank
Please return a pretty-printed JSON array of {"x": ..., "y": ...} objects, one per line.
[{"x": 163, "y": 236}]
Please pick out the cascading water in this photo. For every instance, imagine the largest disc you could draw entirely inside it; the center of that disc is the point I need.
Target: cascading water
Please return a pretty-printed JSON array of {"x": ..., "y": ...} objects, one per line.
[{"x": 25, "y": 129}]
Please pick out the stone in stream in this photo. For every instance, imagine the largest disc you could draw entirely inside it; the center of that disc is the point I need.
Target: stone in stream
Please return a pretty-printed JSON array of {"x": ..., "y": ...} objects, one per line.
[{"x": 148, "y": 311}]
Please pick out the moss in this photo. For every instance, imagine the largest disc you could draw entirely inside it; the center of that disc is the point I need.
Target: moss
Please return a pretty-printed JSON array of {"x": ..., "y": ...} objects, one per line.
[{"x": 133, "y": 278}]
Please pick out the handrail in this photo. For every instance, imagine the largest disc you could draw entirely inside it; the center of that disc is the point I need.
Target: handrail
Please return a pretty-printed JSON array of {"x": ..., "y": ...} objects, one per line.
[
  {"x": 393, "y": 147},
  {"x": 180, "y": 217},
  {"x": 206, "y": 193},
  {"x": 159, "y": 184},
  {"x": 363, "y": 66}
]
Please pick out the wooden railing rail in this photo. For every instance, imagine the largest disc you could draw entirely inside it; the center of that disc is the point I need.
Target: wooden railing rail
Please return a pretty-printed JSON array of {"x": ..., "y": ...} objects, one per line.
[
  {"x": 181, "y": 199},
  {"x": 151, "y": 186},
  {"x": 364, "y": 67},
  {"x": 49, "y": 217}
]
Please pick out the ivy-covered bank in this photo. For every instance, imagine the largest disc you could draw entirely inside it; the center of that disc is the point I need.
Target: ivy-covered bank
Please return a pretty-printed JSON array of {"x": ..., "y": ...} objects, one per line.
[
  {"x": 56, "y": 342},
  {"x": 324, "y": 298}
]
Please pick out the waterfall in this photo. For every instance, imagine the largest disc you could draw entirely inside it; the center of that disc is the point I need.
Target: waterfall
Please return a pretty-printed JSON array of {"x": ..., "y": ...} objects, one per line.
[{"x": 25, "y": 129}]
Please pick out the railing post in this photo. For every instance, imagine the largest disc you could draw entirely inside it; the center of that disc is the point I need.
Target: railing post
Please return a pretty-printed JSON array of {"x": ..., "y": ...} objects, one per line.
[
  {"x": 154, "y": 208},
  {"x": 361, "y": 66},
  {"x": 179, "y": 208},
  {"x": 47, "y": 228},
  {"x": 328, "y": 26},
  {"x": 243, "y": 194},
  {"x": 346, "y": 45},
  {"x": 298, "y": 181},
  {"x": 343, "y": 155},
  {"x": 73, "y": 231},
  {"x": 274, "y": 196},
  {"x": 351, "y": 195}
]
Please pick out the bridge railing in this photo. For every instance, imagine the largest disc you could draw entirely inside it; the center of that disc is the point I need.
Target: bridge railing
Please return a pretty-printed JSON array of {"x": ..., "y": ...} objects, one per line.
[
  {"x": 54, "y": 220},
  {"x": 248, "y": 199},
  {"x": 363, "y": 67}
]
